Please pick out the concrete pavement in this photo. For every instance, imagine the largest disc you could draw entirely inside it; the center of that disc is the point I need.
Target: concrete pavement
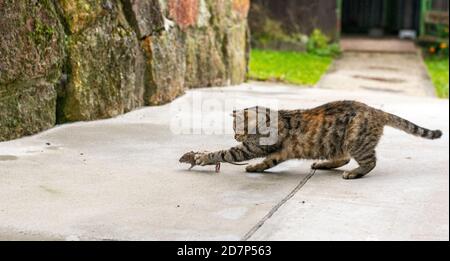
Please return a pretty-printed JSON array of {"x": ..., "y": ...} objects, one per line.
[
  {"x": 397, "y": 73},
  {"x": 120, "y": 179}
]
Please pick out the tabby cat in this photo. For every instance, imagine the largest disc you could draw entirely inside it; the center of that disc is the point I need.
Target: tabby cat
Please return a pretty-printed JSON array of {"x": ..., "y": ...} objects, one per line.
[{"x": 335, "y": 132}]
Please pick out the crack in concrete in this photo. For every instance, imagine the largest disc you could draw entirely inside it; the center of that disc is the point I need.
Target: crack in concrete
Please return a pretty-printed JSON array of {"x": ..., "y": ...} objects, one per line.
[{"x": 258, "y": 225}]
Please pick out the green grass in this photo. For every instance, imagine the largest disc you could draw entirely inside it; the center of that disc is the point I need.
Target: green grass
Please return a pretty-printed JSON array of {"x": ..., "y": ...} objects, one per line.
[
  {"x": 438, "y": 69},
  {"x": 289, "y": 67}
]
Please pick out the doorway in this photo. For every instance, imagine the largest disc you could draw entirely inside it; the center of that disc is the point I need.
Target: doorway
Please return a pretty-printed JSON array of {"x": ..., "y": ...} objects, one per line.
[{"x": 379, "y": 17}]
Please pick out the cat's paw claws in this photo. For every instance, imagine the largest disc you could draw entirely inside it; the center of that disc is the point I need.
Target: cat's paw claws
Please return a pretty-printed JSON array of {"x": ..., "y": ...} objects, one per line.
[
  {"x": 253, "y": 169},
  {"x": 320, "y": 166},
  {"x": 350, "y": 175}
]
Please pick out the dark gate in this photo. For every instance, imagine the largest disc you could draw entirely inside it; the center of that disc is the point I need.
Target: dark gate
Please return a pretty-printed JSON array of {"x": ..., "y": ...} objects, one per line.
[{"x": 390, "y": 16}]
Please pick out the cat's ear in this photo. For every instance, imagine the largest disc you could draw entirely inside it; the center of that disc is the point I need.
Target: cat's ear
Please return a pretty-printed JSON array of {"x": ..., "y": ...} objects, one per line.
[{"x": 233, "y": 114}]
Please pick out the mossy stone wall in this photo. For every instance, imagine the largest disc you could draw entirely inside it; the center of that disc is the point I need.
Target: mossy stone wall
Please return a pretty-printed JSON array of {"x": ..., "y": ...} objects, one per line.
[{"x": 78, "y": 60}]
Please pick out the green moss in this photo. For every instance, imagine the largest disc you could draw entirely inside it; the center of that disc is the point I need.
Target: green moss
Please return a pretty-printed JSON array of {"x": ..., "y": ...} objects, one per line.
[
  {"x": 32, "y": 58},
  {"x": 18, "y": 114},
  {"x": 80, "y": 14},
  {"x": 42, "y": 34},
  {"x": 102, "y": 63}
]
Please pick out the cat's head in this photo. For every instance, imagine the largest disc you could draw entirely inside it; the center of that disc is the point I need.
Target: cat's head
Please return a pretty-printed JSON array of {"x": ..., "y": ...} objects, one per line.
[{"x": 256, "y": 125}]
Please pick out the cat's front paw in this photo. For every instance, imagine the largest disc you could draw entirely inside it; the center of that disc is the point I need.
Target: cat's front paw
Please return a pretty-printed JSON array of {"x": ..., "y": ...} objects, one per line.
[
  {"x": 350, "y": 175},
  {"x": 315, "y": 165},
  {"x": 254, "y": 169}
]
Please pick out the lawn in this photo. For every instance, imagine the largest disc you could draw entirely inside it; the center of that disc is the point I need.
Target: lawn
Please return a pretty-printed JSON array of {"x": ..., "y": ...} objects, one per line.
[
  {"x": 438, "y": 69},
  {"x": 289, "y": 67}
]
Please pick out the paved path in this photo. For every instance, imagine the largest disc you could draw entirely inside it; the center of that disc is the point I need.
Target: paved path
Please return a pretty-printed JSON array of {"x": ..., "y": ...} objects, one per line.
[
  {"x": 377, "y": 45},
  {"x": 119, "y": 179},
  {"x": 379, "y": 72}
]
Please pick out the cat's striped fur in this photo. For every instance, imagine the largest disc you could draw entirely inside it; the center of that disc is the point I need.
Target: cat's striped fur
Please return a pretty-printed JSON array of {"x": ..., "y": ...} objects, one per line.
[{"x": 334, "y": 132}]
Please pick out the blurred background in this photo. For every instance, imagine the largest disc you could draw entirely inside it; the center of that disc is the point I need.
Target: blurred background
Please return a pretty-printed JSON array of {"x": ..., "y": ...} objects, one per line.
[{"x": 292, "y": 34}]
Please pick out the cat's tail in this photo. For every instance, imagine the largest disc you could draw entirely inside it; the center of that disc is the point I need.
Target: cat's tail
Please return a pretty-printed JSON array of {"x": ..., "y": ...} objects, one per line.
[{"x": 411, "y": 128}]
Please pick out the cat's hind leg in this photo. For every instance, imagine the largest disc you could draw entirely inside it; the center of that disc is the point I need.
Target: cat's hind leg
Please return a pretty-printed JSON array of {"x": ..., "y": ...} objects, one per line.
[
  {"x": 367, "y": 162},
  {"x": 332, "y": 164}
]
